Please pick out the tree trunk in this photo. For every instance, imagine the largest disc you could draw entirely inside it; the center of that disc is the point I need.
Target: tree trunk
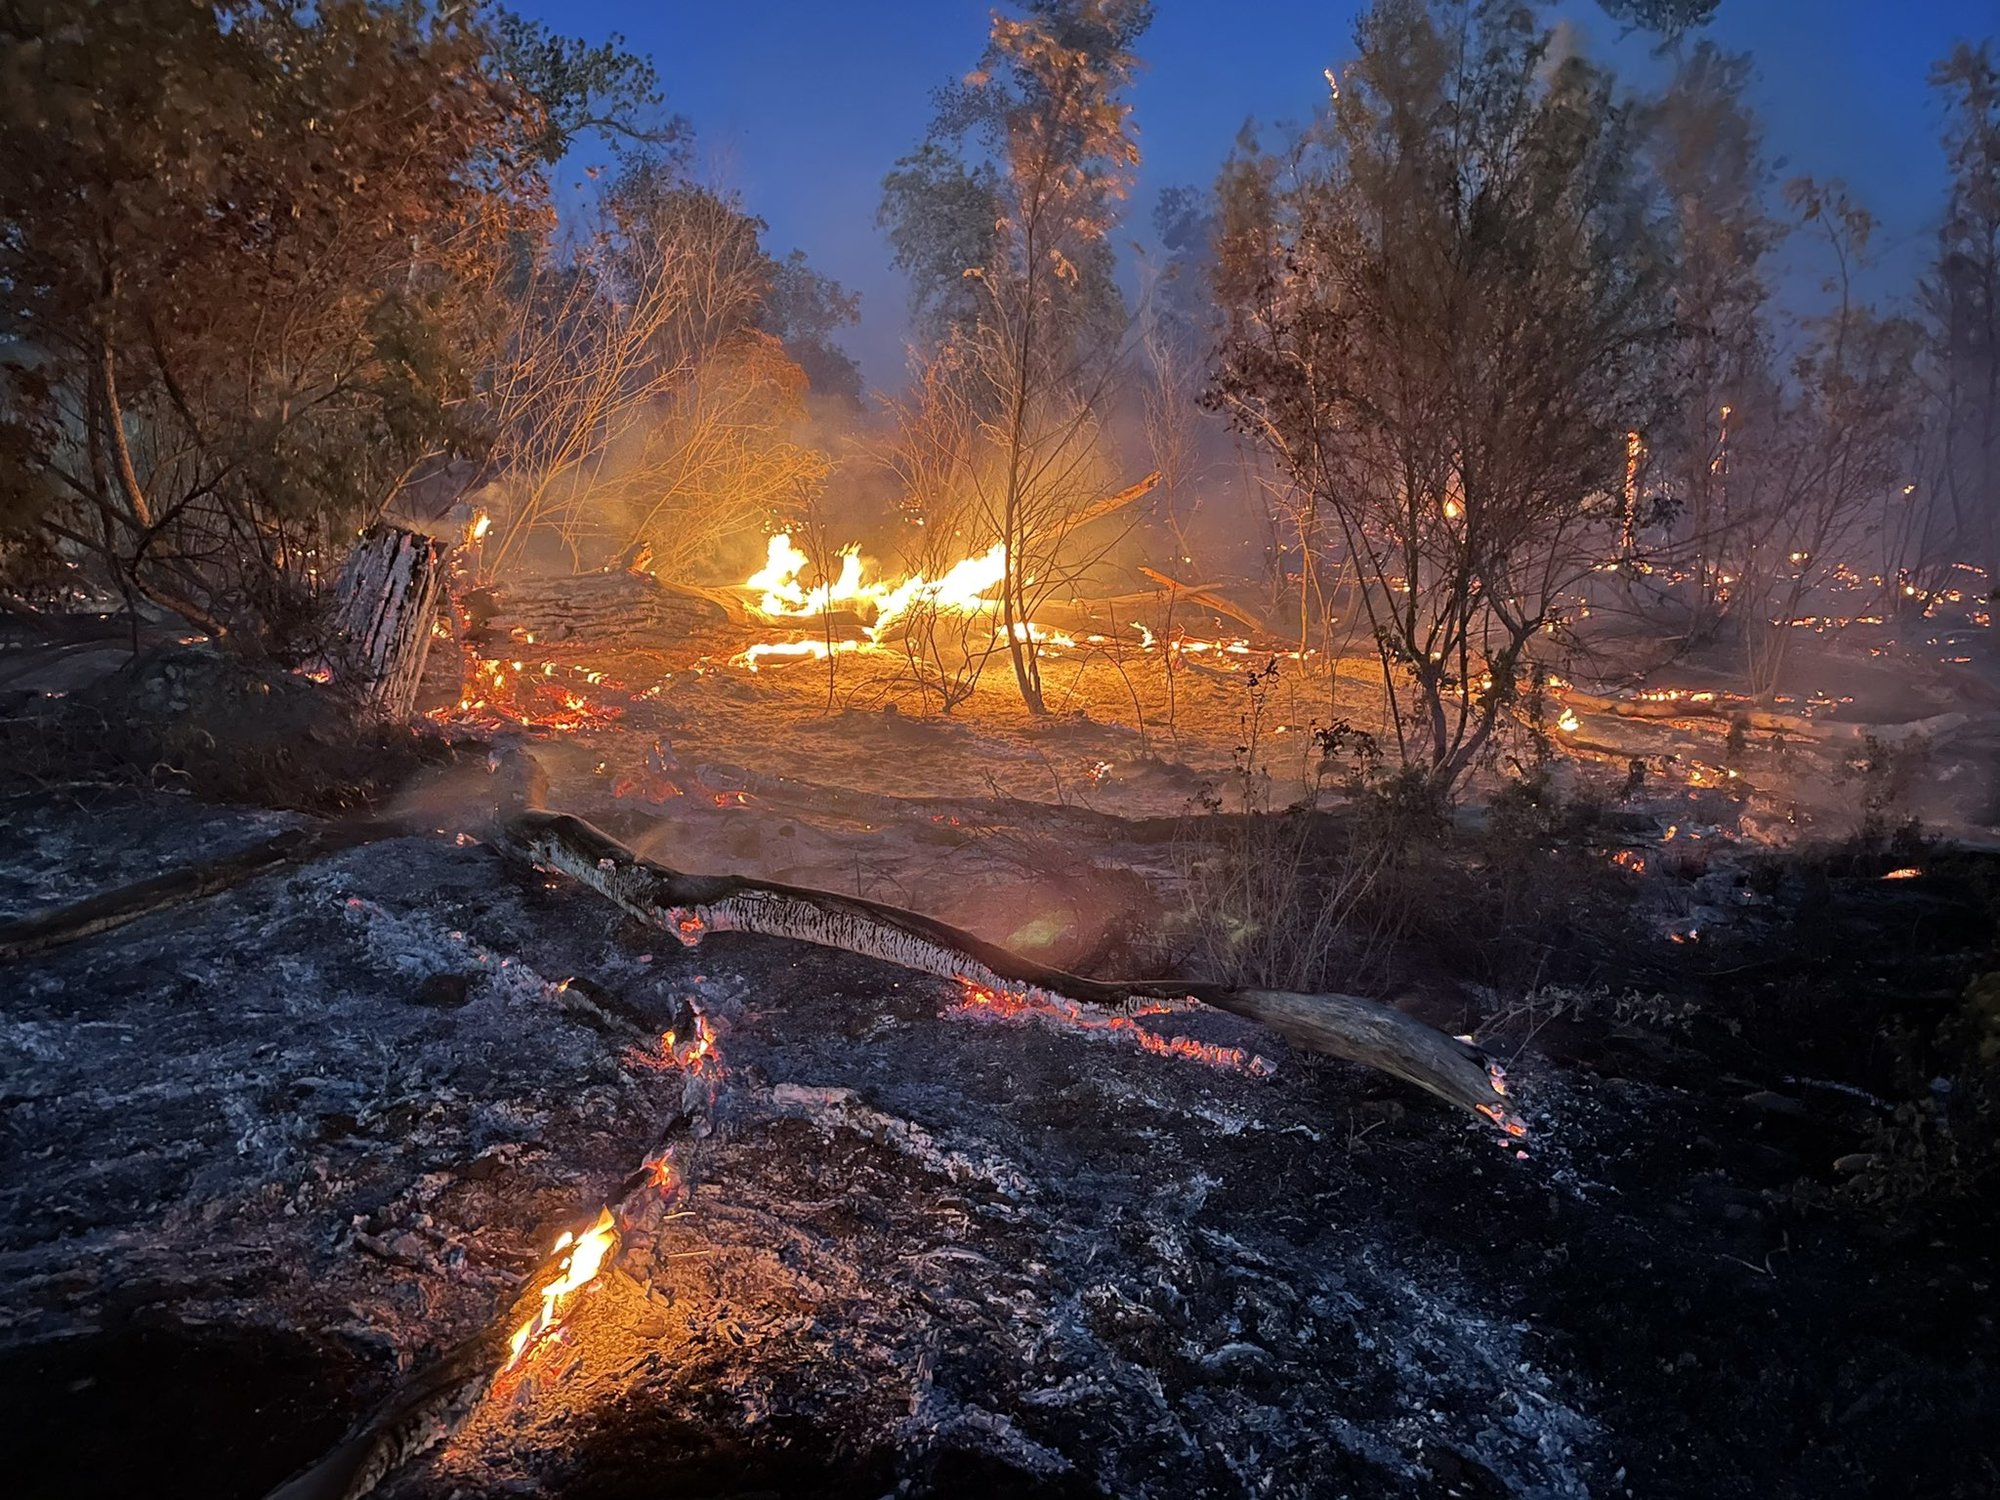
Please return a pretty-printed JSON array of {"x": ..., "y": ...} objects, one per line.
[{"x": 383, "y": 610}]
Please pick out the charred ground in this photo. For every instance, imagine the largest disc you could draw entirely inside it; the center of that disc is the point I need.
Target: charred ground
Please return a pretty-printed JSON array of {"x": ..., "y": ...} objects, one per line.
[{"x": 269, "y": 1154}]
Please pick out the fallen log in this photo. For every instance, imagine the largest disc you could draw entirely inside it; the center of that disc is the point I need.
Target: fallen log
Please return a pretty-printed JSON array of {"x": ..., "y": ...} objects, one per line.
[
  {"x": 1205, "y": 595},
  {"x": 1763, "y": 721},
  {"x": 690, "y": 906},
  {"x": 593, "y": 614},
  {"x": 417, "y": 1417}
]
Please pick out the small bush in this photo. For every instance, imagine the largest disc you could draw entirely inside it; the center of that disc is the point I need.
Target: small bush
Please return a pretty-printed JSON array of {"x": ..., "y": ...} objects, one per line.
[{"x": 1368, "y": 881}]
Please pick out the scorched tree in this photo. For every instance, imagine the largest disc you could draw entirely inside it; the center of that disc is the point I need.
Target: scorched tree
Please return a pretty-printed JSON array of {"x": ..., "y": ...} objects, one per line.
[{"x": 1445, "y": 314}]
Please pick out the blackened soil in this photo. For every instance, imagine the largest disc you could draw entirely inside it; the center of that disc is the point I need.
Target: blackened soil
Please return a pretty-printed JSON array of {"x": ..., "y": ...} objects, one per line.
[
  {"x": 1004, "y": 1260},
  {"x": 173, "y": 1413}
]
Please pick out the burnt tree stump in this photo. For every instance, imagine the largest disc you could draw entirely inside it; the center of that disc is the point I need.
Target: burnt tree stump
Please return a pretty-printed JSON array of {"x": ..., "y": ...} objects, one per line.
[{"x": 383, "y": 609}]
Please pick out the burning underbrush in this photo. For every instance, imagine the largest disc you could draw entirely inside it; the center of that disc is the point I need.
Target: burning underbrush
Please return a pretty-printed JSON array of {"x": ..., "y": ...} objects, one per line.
[{"x": 593, "y": 1212}]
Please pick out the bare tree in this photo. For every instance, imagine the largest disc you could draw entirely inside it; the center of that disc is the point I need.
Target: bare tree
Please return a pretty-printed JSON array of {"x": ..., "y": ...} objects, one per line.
[
  {"x": 1018, "y": 184},
  {"x": 636, "y": 402},
  {"x": 1816, "y": 456},
  {"x": 1445, "y": 317}
]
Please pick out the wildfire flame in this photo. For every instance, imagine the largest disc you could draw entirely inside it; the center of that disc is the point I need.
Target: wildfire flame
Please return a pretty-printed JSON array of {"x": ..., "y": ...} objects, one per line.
[
  {"x": 961, "y": 589},
  {"x": 884, "y": 609},
  {"x": 583, "y": 1256}
]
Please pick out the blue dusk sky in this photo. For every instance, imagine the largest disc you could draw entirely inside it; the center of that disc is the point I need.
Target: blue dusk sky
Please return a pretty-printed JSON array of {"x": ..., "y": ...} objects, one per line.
[{"x": 802, "y": 106}]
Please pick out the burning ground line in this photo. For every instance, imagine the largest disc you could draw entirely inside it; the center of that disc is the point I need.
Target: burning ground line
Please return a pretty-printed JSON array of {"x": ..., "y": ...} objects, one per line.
[
  {"x": 430, "y": 1409},
  {"x": 543, "y": 695},
  {"x": 1020, "y": 1004}
]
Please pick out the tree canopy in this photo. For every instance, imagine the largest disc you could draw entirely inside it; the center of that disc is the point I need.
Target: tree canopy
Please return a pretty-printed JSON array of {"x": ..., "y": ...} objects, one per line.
[{"x": 1447, "y": 311}]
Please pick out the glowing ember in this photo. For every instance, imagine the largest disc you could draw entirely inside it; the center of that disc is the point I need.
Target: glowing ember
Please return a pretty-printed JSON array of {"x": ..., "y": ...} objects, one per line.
[
  {"x": 786, "y": 650},
  {"x": 1568, "y": 723},
  {"x": 1908, "y": 872},
  {"x": 664, "y": 1173},
  {"x": 541, "y": 696},
  {"x": 1507, "y": 1123},
  {"x": 583, "y": 1256},
  {"x": 694, "y": 1054},
  {"x": 1031, "y": 1005}
]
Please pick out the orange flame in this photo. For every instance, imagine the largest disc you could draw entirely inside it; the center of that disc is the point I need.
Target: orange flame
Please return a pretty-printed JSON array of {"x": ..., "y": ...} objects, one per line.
[
  {"x": 1010, "y": 1005},
  {"x": 583, "y": 1257}
]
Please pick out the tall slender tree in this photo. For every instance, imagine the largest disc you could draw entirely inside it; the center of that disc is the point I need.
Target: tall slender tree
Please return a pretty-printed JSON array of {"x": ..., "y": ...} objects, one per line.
[
  {"x": 1706, "y": 151},
  {"x": 1962, "y": 301},
  {"x": 1001, "y": 218}
]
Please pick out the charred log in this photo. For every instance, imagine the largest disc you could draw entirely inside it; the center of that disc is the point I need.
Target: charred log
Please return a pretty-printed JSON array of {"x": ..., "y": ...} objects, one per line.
[
  {"x": 596, "y": 613},
  {"x": 113, "y": 909},
  {"x": 1345, "y": 1026},
  {"x": 1763, "y": 721},
  {"x": 414, "y": 1420}
]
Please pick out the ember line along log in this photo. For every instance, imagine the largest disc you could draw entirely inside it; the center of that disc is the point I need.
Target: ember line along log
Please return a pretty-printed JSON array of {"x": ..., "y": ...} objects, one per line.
[{"x": 690, "y": 906}]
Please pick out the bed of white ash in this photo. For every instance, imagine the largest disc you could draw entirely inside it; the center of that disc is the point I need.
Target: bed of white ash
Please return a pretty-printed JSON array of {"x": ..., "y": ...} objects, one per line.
[{"x": 266, "y": 1155}]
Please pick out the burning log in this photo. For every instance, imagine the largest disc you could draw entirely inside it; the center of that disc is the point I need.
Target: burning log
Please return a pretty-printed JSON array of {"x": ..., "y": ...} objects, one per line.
[
  {"x": 1681, "y": 705},
  {"x": 383, "y": 608},
  {"x": 1110, "y": 504},
  {"x": 599, "y": 613},
  {"x": 689, "y": 906}
]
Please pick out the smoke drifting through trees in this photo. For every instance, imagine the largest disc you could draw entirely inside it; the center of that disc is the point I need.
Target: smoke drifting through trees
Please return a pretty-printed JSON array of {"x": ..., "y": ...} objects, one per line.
[{"x": 1490, "y": 344}]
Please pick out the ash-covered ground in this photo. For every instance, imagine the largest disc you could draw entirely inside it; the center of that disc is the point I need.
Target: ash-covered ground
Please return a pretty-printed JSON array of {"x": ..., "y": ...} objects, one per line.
[{"x": 268, "y": 1154}]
